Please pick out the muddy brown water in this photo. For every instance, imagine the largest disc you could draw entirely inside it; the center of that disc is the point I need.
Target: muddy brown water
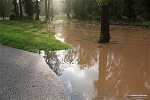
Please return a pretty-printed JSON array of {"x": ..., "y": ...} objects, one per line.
[{"x": 91, "y": 71}]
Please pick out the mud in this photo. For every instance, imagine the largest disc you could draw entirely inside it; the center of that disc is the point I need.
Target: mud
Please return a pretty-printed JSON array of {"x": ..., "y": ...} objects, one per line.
[{"x": 113, "y": 71}]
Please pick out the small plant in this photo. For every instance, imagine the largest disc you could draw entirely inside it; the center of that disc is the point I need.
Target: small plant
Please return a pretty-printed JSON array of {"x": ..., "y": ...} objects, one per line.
[{"x": 101, "y": 38}]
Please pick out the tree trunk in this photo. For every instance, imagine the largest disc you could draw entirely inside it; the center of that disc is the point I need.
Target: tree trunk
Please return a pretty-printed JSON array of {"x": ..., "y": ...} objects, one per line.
[
  {"x": 46, "y": 10},
  {"x": 20, "y": 4},
  {"x": 68, "y": 8},
  {"x": 104, "y": 34},
  {"x": 83, "y": 13},
  {"x": 37, "y": 10},
  {"x": 68, "y": 13},
  {"x": 52, "y": 12},
  {"x": 3, "y": 14},
  {"x": 16, "y": 10}
]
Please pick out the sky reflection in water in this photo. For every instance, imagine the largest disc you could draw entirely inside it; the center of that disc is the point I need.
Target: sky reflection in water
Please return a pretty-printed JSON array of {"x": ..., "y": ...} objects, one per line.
[{"x": 102, "y": 71}]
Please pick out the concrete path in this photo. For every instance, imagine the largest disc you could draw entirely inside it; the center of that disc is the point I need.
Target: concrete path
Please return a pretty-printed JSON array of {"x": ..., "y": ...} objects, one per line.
[{"x": 26, "y": 76}]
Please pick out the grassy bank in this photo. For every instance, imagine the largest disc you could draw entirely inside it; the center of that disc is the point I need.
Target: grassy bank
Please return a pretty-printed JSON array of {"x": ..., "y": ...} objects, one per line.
[{"x": 28, "y": 35}]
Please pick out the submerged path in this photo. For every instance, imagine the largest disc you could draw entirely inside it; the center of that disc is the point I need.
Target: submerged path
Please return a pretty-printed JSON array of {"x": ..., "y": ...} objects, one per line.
[
  {"x": 113, "y": 71},
  {"x": 26, "y": 76}
]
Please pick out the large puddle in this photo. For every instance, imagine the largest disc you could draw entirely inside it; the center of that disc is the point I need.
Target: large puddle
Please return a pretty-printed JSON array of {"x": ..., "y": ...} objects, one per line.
[{"x": 115, "y": 71}]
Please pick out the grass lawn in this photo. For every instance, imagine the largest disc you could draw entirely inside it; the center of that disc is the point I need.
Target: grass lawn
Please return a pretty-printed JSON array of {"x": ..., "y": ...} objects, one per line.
[{"x": 28, "y": 35}]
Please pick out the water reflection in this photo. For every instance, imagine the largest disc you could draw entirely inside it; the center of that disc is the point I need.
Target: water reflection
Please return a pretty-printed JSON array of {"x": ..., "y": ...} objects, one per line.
[
  {"x": 53, "y": 62},
  {"x": 121, "y": 74},
  {"x": 102, "y": 71},
  {"x": 74, "y": 71}
]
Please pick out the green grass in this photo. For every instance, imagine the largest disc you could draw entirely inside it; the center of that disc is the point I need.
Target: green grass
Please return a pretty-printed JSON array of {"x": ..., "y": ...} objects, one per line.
[
  {"x": 60, "y": 17},
  {"x": 42, "y": 18},
  {"x": 28, "y": 35},
  {"x": 6, "y": 18},
  {"x": 56, "y": 17}
]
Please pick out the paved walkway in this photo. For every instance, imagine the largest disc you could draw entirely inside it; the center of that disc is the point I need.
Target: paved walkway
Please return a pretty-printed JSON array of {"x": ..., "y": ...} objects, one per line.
[{"x": 26, "y": 76}]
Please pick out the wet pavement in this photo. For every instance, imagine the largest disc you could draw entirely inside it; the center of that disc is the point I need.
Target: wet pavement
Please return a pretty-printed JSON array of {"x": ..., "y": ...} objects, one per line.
[
  {"x": 114, "y": 71},
  {"x": 26, "y": 76}
]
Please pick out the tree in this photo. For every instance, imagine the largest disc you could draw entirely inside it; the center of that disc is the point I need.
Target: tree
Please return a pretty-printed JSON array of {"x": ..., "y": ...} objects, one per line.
[
  {"x": 52, "y": 10},
  {"x": 104, "y": 34},
  {"x": 68, "y": 9},
  {"x": 29, "y": 8},
  {"x": 16, "y": 9},
  {"x": 85, "y": 9},
  {"x": 116, "y": 10},
  {"x": 37, "y": 9},
  {"x": 3, "y": 8},
  {"x": 79, "y": 8},
  {"x": 46, "y": 10},
  {"x": 20, "y": 5},
  {"x": 129, "y": 10},
  {"x": 142, "y": 8}
]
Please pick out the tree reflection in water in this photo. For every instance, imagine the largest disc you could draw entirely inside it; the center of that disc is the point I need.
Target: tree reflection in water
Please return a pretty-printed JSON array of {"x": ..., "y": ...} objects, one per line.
[
  {"x": 55, "y": 58},
  {"x": 102, "y": 71},
  {"x": 118, "y": 76},
  {"x": 52, "y": 60}
]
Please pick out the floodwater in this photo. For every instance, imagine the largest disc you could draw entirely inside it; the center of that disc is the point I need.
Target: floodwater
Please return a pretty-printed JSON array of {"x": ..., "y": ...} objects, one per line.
[{"x": 119, "y": 70}]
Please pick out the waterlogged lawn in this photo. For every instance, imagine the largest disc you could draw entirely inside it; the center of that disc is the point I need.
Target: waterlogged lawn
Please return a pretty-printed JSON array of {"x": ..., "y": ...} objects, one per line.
[{"x": 28, "y": 35}]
